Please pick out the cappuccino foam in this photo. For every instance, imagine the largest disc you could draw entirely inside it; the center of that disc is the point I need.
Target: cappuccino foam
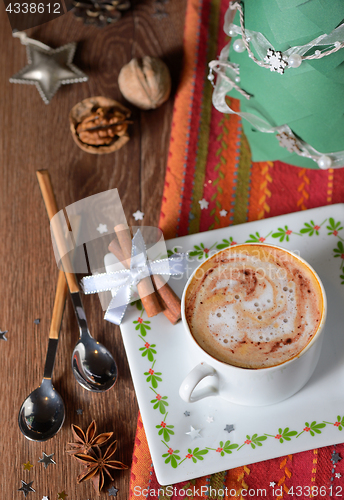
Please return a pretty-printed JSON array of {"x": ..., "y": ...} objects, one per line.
[{"x": 254, "y": 306}]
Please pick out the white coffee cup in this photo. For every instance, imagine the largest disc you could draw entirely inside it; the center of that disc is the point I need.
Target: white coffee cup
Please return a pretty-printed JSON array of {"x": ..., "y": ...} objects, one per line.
[{"x": 250, "y": 387}]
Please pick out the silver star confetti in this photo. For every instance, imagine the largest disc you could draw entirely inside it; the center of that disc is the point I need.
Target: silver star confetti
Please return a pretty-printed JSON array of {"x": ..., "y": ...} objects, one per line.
[
  {"x": 47, "y": 460},
  {"x": 229, "y": 428},
  {"x": 187, "y": 413},
  {"x": 2, "y": 335},
  {"x": 26, "y": 488},
  {"x": 210, "y": 420},
  {"x": 335, "y": 457},
  {"x": 138, "y": 215},
  {"x": 48, "y": 68},
  {"x": 112, "y": 491},
  {"x": 79, "y": 411},
  {"x": 37, "y": 321},
  {"x": 193, "y": 433}
]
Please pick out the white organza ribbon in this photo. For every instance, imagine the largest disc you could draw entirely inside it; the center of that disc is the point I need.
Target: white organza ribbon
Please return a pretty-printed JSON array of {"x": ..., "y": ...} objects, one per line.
[
  {"x": 121, "y": 283},
  {"x": 261, "y": 44},
  {"x": 228, "y": 74}
]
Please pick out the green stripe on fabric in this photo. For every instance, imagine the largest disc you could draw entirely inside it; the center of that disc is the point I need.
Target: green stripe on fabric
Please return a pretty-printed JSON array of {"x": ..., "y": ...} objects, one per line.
[
  {"x": 165, "y": 492},
  {"x": 242, "y": 193},
  {"x": 221, "y": 163},
  {"x": 206, "y": 108},
  {"x": 216, "y": 486}
]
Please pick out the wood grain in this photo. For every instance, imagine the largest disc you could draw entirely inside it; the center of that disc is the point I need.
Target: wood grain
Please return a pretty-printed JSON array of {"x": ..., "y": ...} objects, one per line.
[{"x": 36, "y": 136}]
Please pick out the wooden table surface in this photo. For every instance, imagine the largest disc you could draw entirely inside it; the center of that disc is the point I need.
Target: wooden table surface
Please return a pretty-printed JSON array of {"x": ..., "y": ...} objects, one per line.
[{"x": 36, "y": 136}]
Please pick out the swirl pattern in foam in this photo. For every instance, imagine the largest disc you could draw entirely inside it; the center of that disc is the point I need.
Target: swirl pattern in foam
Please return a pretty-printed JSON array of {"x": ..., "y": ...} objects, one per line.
[{"x": 254, "y": 306}]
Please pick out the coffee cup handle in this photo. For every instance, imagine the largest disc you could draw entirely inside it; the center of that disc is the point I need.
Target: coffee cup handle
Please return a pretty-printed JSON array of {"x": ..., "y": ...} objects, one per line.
[{"x": 189, "y": 384}]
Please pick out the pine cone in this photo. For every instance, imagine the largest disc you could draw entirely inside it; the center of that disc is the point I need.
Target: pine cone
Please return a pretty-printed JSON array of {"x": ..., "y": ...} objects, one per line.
[{"x": 100, "y": 13}]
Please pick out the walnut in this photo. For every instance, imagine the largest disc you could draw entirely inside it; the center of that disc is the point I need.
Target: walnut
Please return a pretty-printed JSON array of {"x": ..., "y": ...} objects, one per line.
[
  {"x": 99, "y": 125},
  {"x": 145, "y": 82}
]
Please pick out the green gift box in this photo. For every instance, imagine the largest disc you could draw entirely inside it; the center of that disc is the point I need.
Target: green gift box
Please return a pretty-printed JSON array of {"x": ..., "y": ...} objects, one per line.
[{"x": 304, "y": 101}]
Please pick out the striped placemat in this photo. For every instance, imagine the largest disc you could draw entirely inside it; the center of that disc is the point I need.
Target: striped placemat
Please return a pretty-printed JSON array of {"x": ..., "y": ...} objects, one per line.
[{"x": 211, "y": 182}]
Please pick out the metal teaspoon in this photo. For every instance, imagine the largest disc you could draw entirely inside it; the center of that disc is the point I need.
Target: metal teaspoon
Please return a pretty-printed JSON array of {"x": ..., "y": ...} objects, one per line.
[
  {"x": 93, "y": 365},
  {"x": 42, "y": 414}
]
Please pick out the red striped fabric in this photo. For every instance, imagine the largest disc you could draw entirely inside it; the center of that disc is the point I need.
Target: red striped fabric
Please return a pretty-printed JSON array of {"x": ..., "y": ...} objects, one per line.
[{"x": 209, "y": 158}]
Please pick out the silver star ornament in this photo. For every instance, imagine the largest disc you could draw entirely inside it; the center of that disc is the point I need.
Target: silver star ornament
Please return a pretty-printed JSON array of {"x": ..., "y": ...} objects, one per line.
[{"x": 49, "y": 68}]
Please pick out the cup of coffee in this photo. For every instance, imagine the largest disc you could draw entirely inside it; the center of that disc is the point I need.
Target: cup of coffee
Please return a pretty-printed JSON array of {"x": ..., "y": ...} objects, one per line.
[{"x": 254, "y": 316}]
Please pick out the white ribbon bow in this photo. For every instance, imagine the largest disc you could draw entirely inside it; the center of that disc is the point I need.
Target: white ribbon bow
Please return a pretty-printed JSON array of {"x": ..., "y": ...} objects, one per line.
[{"x": 121, "y": 283}]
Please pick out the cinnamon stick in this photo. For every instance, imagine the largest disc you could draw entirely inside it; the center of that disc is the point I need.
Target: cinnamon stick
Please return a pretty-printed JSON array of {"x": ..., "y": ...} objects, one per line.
[
  {"x": 115, "y": 248},
  {"x": 145, "y": 287},
  {"x": 170, "y": 301}
]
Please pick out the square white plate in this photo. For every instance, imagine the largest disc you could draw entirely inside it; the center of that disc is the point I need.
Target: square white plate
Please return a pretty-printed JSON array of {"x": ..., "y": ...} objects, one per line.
[{"x": 307, "y": 420}]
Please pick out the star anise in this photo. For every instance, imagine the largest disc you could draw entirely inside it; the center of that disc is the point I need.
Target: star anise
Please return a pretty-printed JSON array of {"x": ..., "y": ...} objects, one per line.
[
  {"x": 98, "y": 464},
  {"x": 85, "y": 442}
]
